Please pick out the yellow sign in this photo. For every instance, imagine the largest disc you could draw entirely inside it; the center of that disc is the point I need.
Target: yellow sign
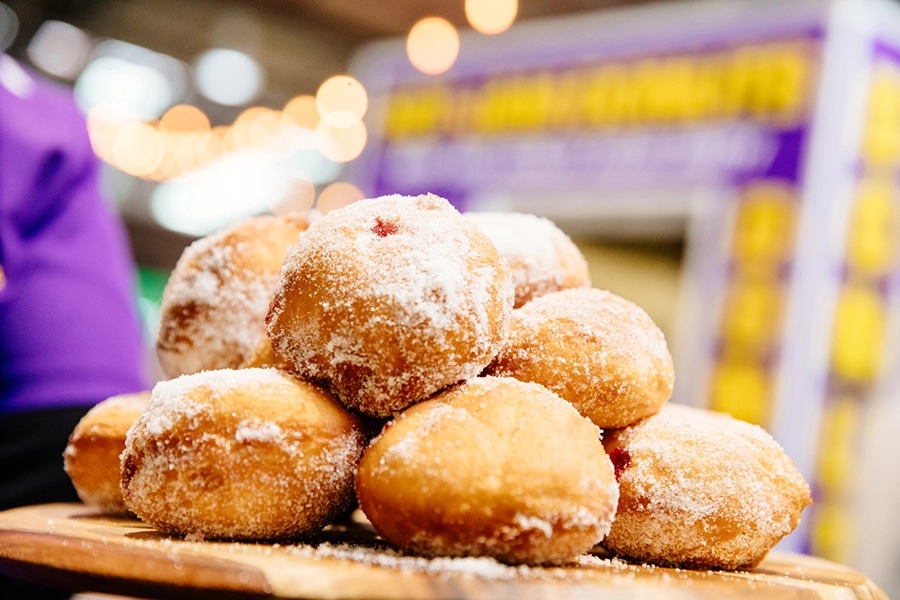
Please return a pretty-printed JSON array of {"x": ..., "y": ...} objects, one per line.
[{"x": 762, "y": 82}]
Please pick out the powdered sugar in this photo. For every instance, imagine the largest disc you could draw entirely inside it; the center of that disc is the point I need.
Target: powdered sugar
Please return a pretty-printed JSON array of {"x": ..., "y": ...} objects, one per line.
[
  {"x": 533, "y": 523},
  {"x": 389, "y": 300},
  {"x": 408, "y": 448},
  {"x": 244, "y": 454},
  {"x": 597, "y": 350},
  {"x": 703, "y": 488},
  {"x": 584, "y": 567},
  {"x": 541, "y": 256},
  {"x": 214, "y": 304},
  {"x": 482, "y": 469},
  {"x": 171, "y": 400},
  {"x": 257, "y": 430}
]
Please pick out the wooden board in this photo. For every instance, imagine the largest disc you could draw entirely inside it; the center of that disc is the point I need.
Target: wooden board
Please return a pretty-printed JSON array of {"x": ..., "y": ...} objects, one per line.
[{"x": 75, "y": 547}]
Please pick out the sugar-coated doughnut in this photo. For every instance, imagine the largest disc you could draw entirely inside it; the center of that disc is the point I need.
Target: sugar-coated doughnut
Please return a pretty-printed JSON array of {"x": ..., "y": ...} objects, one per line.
[
  {"x": 263, "y": 356},
  {"x": 215, "y": 302},
  {"x": 388, "y": 300},
  {"x": 701, "y": 489},
  {"x": 91, "y": 457},
  {"x": 542, "y": 257},
  {"x": 597, "y": 350},
  {"x": 491, "y": 467},
  {"x": 246, "y": 454}
]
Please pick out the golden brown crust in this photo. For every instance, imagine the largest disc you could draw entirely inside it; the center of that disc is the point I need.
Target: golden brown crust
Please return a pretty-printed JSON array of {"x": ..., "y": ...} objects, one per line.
[
  {"x": 541, "y": 256},
  {"x": 263, "y": 356},
  {"x": 597, "y": 350},
  {"x": 700, "y": 489},
  {"x": 215, "y": 302},
  {"x": 249, "y": 454},
  {"x": 491, "y": 467},
  {"x": 91, "y": 457},
  {"x": 388, "y": 300}
]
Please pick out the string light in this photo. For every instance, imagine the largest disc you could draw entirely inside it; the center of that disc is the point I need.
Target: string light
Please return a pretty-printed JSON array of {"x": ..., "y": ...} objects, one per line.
[
  {"x": 491, "y": 16},
  {"x": 432, "y": 45},
  {"x": 336, "y": 195},
  {"x": 341, "y": 101},
  {"x": 301, "y": 111},
  {"x": 341, "y": 144}
]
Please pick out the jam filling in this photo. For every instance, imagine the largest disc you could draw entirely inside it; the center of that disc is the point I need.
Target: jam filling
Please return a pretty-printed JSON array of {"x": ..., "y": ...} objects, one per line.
[
  {"x": 384, "y": 228},
  {"x": 620, "y": 460}
]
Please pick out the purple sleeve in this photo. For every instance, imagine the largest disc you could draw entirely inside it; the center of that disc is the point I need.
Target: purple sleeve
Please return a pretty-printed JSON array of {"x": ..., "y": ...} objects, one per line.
[{"x": 69, "y": 331}]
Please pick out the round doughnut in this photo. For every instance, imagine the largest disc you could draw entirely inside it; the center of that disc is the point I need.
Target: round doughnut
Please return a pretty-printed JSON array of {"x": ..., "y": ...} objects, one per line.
[
  {"x": 246, "y": 454},
  {"x": 388, "y": 300},
  {"x": 214, "y": 305},
  {"x": 700, "y": 489},
  {"x": 263, "y": 356},
  {"x": 91, "y": 457},
  {"x": 491, "y": 467},
  {"x": 542, "y": 257},
  {"x": 599, "y": 351}
]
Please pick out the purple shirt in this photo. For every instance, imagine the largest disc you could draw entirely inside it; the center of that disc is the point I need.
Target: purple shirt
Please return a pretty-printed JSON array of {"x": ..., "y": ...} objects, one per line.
[{"x": 69, "y": 331}]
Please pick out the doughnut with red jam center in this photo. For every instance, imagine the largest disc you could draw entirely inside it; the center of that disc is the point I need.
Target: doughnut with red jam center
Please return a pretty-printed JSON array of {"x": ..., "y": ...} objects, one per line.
[{"x": 388, "y": 300}]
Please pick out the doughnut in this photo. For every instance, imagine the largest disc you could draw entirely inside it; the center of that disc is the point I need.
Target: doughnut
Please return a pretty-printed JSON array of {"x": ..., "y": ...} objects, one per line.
[
  {"x": 700, "y": 489},
  {"x": 263, "y": 355},
  {"x": 241, "y": 454},
  {"x": 388, "y": 300},
  {"x": 540, "y": 255},
  {"x": 214, "y": 305},
  {"x": 490, "y": 467},
  {"x": 91, "y": 457},
  {"x": 599, "y": 351}
]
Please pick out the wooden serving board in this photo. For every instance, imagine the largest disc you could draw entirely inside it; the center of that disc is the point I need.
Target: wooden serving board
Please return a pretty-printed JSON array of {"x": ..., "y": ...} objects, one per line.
[{"x": 72, "y": 546}]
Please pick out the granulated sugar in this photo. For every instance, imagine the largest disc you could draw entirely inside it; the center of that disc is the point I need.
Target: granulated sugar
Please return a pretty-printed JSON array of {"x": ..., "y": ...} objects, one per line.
[{"x": 477, "y": 567}]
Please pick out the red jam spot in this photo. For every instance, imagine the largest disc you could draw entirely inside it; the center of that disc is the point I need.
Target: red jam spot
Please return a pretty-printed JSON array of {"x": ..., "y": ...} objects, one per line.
[
  {"x": 384, "y": 228},
  {"x": 620, "y": 460}
]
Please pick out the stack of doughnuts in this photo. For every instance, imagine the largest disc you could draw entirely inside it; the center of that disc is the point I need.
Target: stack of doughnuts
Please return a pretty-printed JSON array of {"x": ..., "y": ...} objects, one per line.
[{"x": 470, "y": 391}]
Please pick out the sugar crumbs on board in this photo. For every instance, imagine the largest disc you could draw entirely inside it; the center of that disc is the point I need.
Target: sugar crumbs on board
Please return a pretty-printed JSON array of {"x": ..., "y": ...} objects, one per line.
[{"x": 475, "y": 567}]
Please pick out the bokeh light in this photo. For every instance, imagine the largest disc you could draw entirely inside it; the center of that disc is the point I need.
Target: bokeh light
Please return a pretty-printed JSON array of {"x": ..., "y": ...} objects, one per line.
[
  {"x": 9, "y": 26},
  {"x": 341, "y": 101},
  {"x": 305, "y": 161},
  {"x": 491, "y": 16},
  {"x": 234, "y": 187},
  {"x": 336, "y": 195},
  {"x": 136, "y": 90},
  {"x": 301, "y": 111},
  {"x": 300, "y": 198},
  {"x": 432, "y": 45},
  {"x": 138, "y": 149},
  {"x": 341, "y": 144},
  {"x": 228, "y": 77},
  {"x": 103, "y": 122},
  {"x": 184, "y": 118},
  {"x": 60, "y": 49},
  {"x": 255, "y": 127}
]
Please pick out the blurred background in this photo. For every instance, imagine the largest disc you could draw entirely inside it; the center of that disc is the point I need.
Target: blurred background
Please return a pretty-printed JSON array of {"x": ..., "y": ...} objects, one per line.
[{"x": 728, "y": 165}]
